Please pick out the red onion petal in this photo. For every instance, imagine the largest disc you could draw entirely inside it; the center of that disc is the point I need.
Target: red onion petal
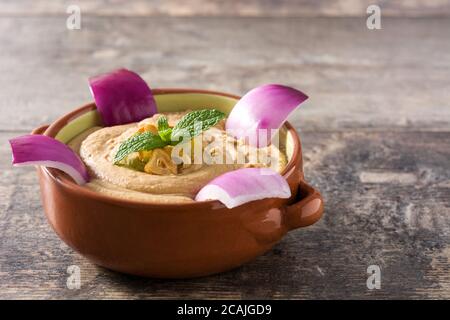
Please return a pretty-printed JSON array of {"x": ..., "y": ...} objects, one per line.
[
  {"x": 244, "y": 185},
  {"x": 45, "y": 151},
  {"x": 265, "y": 107},
  {"x": 122, "y": 96}
]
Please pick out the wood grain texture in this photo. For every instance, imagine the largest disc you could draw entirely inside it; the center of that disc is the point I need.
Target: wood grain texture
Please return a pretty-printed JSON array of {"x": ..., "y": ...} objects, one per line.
[
  {"x": 375, "y": 136},
  {"x": 402, "y": 226},
  {"x": 396, "y": 77},
  {"x": 220, "y": 8}
]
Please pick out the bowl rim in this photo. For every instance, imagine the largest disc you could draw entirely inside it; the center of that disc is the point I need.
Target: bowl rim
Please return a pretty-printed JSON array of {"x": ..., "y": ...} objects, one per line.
[{"x": 59, "y": 177}]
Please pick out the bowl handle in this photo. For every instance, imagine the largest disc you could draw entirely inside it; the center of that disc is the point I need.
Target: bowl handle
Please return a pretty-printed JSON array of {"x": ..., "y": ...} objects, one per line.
[
  {"x": 40, "y": 130},
  {"x": 307, "y": 210}
]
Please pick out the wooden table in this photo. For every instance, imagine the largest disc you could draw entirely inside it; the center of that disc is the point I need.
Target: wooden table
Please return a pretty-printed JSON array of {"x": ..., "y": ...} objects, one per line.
[{"x": 375, "y": 133}]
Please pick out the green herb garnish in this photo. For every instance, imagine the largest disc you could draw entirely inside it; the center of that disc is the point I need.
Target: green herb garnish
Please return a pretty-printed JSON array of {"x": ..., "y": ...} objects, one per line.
[
  {"x": 195, "y": 122},
  {"x": 141, "y": 142},
  {"x": 162, "y": 123},
  {"x": 164, "y": 130},
  {"x": 190, "y": 126}
]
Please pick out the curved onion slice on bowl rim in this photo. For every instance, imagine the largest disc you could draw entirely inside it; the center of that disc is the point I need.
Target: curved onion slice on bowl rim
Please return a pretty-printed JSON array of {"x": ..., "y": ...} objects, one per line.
[
  {"x": 122, "y": 96},
  {"x": 34, "y": 149},
  {"x": 266, "y": 107},
  {"x": 244, "y": 185}
]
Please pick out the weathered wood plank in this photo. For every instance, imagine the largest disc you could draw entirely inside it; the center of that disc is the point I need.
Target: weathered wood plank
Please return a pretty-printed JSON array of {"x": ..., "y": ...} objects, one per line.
[
  {"x": 387, "y": 203},
  {"x": 248, "y": 8},
  {"x": 394, "y": 78}
]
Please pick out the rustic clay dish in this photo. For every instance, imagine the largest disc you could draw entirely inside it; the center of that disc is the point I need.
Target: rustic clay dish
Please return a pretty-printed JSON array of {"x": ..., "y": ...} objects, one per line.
[{"x": 171, "y": 240}]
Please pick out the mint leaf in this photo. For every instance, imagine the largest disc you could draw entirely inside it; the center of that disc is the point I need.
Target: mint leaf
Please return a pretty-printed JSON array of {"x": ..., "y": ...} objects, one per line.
[
  {"x": 191, "y": 125},
  {"x": 164, "y": 130},
  {"x": 163, "y": 124},
  {"x": 165, "y": 135},
  {"x": 141, "y": 142},
  {"x": 195, "y": 122}
]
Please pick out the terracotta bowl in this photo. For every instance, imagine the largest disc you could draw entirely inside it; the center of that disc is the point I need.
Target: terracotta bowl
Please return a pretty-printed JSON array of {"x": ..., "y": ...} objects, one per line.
[{"x": 171, "y": 240}]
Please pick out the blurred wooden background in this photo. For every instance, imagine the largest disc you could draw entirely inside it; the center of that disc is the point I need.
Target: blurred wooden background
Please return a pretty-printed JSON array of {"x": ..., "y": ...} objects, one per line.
[
  {"x": 233, "y": 8},
  {"x": 376, "y": 130}
]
